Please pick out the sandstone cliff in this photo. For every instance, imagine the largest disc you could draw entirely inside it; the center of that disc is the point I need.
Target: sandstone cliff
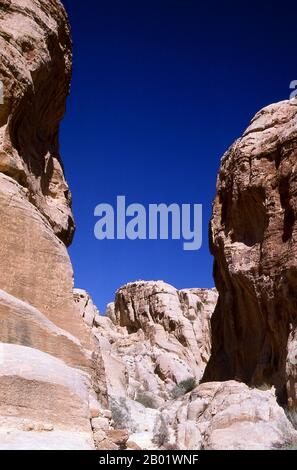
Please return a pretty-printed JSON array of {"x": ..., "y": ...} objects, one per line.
[
  {"x": 253, "y": 240},
  {"x": 72, "y": 379},
  {"x": 46, "y": 354}
]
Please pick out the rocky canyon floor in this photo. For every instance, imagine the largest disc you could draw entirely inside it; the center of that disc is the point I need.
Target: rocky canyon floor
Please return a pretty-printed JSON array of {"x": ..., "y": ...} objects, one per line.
[{"x": 163, "y": 368}]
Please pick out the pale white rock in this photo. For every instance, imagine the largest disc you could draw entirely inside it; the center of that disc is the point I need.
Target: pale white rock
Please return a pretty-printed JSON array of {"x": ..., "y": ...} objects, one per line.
[
  {"x": 34, "y": 365},
  {"x": 141, "y": 424},
  {"x": 57, "y": 440},
  {"x": 110, "y": 312},
  {"x": 231, "y": 416},
  {"x": 169, "y": 366},
  {"x": 29, "y": 378},
  {"x": 100, "y": 424},
  {"x": 88, "y": 311},
  {"x": 99, "y": 436},
  {"x": 156, "y": 337},
  {"x": 25, "y": 325},
  {"x": 153, "y": 338}
]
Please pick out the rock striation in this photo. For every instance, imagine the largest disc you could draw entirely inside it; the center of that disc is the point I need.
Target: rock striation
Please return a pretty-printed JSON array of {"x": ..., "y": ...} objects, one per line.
[
  {"x": 152, "y": 338},
  {"x": 47, "y": 356},
  {"x": 228, "y": 416},
  {"x": 174, "y": 323},
  {"x": 151, "y": 377},
  {"x": 168, "y": 338},
  {"x": 253, "y": 239},
  {"x": 36, "y": 62},
  {"x": 132, "y": 379}
]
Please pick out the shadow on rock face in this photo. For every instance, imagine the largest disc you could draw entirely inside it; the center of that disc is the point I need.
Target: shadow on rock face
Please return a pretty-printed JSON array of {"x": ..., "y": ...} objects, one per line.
[{"x": 253, "y": 237}]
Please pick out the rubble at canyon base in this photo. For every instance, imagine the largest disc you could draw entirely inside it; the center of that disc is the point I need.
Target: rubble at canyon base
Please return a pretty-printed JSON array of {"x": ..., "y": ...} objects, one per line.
[{"x": 164, "y": 368}]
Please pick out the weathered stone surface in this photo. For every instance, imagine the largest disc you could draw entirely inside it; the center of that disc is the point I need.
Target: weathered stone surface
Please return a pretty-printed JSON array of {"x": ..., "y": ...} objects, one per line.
[
  {"x": 118, "y": 436},
  {"x": 11, "y": 439},
  {"x": 291, "y": 369},
  {"x": 106, "y": 444},
  {"x": 231, "y": 416},
  {"x": 47, "y": 357},
  {"x": 35, "y": 53},
  {"x": 100, "y": 424},
  {"x": 61, "y": 364},
  {"x": 155, "y": 338},
  {"x": 88, "y": 311},
  {"x": 132, "y": 446},
  {"x": 37, "y": 388},
  {"x": 174, "y": 324},
  {"x": 99, "y": 436},
  {"x": 151, "y": 325},
  {"x": 253, "y": 233},
  {"x": 24, "y": 325},
  {"x": 149, "y": 348}
]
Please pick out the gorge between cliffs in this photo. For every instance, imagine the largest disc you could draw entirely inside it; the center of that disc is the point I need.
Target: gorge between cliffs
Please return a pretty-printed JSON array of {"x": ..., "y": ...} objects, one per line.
[{"x": 190, "y": 369}]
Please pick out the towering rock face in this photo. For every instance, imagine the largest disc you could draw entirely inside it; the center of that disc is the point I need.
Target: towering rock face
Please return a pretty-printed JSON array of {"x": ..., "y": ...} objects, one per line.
[
  {"x": 253, "y": 236},
  {"x": 46, "y": 354},
  {"x": 35, "y": 51},
  {"x": 36, "y": 217}
]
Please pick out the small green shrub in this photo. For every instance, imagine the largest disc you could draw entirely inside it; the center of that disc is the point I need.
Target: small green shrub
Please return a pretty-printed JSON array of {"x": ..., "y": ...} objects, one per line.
[
  {"x": 184, "y": 387},
  {"x": 161, "y": 433},
  {"x": 120, "y": 413},
  {"x": 292, "y": 415},
  {"x": 146, "y": 400},
  {"x": 289, "y": 447},
  {"x": 264, "y": 387}
]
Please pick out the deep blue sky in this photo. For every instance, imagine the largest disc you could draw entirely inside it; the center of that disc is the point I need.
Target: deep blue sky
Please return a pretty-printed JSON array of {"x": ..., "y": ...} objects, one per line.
[{"x": 160, "y": 89}]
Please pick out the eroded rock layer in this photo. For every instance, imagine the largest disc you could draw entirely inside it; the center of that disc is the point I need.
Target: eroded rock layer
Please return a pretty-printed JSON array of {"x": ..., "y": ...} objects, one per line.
[
  {"x": 47, "y": 357},
  {"x": 175, "y": 323},
  {"x": 72, "y": 379},
  {"x": 228, "y": 416},
  {"x": 36, "y": 58},
  {"x": 253, "y": 237},
  {"x": 154, "y": 344}
]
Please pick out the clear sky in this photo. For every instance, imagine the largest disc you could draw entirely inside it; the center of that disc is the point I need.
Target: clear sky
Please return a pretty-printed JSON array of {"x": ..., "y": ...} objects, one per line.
[{"x": 160, "y": 89}]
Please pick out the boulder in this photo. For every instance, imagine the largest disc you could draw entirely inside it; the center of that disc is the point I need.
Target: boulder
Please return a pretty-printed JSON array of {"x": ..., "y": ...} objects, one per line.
[
  {"x": 229, "y": 416},
  {"x": 29, "y": 378}
]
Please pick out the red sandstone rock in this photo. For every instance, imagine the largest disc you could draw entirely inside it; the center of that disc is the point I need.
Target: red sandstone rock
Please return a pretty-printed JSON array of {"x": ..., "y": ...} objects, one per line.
[{"x": 253, "y": 237}]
